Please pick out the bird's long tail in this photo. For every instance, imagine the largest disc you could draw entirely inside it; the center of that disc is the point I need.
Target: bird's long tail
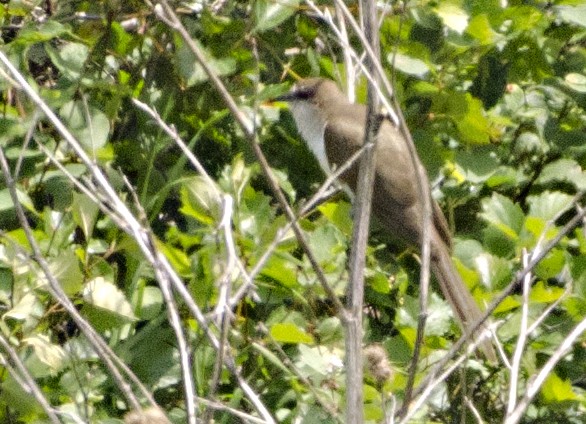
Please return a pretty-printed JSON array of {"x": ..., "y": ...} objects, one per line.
[{"x": 458, "y": 295}]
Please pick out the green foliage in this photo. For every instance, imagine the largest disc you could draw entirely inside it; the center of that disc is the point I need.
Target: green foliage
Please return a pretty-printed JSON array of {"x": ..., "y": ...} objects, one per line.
[{"x": 495, "y": 99}]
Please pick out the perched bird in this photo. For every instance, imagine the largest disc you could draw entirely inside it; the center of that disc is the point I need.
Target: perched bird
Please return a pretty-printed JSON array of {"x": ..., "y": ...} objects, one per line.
[{"x": 334, "y": 130}]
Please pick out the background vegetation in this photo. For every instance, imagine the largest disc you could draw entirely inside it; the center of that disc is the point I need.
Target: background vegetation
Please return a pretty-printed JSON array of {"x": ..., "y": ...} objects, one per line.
[{"x": 134, "y": 274}]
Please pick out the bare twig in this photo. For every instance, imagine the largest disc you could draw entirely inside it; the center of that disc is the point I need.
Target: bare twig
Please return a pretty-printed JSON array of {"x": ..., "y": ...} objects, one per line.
[
  {"x": 174, "y": 320},
  {"x": 118, "y": 210},
  {"x": 362, "y": 204},
  {"x": 57, "y": 292},
  {"x": 166, "y": 14},
  {"x": 28, "y": 384},
  {"x": 520, "y": 346},
  {"x": 431, "y": 379},
  {"x": 533, "y": 388}
]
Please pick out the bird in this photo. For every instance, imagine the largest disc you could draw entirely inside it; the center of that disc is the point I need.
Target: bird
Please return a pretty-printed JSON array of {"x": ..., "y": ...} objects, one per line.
[{"x": 334, "y": 130}]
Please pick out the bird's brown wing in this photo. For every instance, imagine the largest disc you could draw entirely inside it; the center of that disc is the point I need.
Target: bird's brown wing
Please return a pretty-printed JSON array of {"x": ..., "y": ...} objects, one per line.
[
  {"x": 397, "y": 204},
  {"x": 343, "y": 137}
]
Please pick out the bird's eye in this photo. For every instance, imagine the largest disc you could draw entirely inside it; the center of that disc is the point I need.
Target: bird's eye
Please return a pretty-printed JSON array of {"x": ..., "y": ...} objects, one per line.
[{"x": 304, "y": 92}]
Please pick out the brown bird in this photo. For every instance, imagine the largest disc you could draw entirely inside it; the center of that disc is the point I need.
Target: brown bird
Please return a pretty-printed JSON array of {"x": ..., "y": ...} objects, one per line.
[{"x": 334, "y": 130}]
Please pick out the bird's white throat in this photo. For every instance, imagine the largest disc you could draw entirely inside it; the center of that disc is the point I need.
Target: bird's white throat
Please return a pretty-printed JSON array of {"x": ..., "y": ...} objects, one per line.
[{"x": 311, "y": 125}]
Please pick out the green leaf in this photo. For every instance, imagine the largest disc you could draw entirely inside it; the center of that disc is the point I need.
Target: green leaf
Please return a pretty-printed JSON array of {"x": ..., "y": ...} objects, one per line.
[
  {"x": 200, "y": 200},
  {"x": 106, "y": 306},
  {"x": 453, "y": 16},
  {"x": 85, "y": 213},
  {"x": 549, "y": 205},
  {"x": 572, "y": 14},
  {"x": 67, "y": 270},
  {"x": 326, "y": 243},
  {"x": 473, "y": 125},
  {"x": 69, "y": 59},
  {"x": 330, "y": 330},
  {"x": 495, "y": 272},
  {"x": 555, "y": 389},
  {"x": 480, "y": 29},
  {"x": 439, "y": 315},
  {"x": 281, "y": 269},
  {"x": 44, "y": 32},
  {"x": 27, "y": 309},
  {"x": 317, "y": 362},
  {"x": 339, "y": 214},
  {"x": 563, "y": 170},
  {"x": 408, "y": 65},
  {"x": 576, "y": 82},
  {"x": 467, "y": 114},
  {"x": 191, "y": 70},
  {"x": 151, "y": 302},
  {"x": 51, "y": 356},
  {"x": 177, "y": 257},
  {"x": 543, "y": 293},
  {"x": 269, "y": 13},
  {"x": 88, "y": 124},
  {"x": 551, "y": 265},
  {"x": 507, "y": 305},
  {"x": 290, "y": 333},
  {"x": 503, "y": 214},
  {"x": 476, "y": 165}
]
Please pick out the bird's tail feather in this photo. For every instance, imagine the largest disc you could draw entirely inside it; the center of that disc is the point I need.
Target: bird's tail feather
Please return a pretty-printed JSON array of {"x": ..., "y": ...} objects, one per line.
[{"x": 458, "y": 295}]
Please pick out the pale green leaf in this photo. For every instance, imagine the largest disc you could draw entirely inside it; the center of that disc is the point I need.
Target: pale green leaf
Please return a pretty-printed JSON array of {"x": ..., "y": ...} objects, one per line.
[
  {"x": 67, "y": 270},
  {"x": 408, "y": 65},
  {"x": 69, "y": 58},
  {"x": 290, "y": 333},
  {"x": 270, "y": 13},
  {"x": 549, "y": 205},
  {"x": 200, "y": 200},
  {"x": 576, "y": 82},
  {"x": 453, "y": 16},
  {"x": 105, "y": 296},
  {"x": 85, "y": 213},
  {"x": 572, "y": 14},
  {"x": 88, "y": 124},
  {"x": 555, "y": 390},
  {"x": 503, "y": 214},
  {"x": 192, "y": 71},
  {"x": 49, "y": 354}
]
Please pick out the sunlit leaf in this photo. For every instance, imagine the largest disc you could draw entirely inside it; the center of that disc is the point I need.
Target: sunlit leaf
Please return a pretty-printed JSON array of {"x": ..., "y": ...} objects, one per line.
[
  {"x": 270, "y": 13},
  {"x": 575, "y": 81},
  {"x": 106, "y": 305},
  {"x": 543, "y": 293},
  {"x": 50, "y": 355},
  {"x": 85, "y": 213},
  {"x": 408, "y": 65},
  {"x": 339, "y": 214},
  {"x": 200, "y": 200},
  {"x": 575, "y": 14},
  {"x": 555, "y": 389},
  {"x": 290, "y": 333},
  {"x": 69, "y": 59},
  {"x": 503, "y": 214},
  {"x": 453, "y": 16},
  {"x": 67, "y": 270},
  {"x": 549, "y": 205},
  {"x": 89, "y": 125}
]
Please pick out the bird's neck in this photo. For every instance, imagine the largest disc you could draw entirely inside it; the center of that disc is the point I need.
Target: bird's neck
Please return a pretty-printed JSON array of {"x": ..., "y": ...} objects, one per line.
[{"x": 311, "y": 124}]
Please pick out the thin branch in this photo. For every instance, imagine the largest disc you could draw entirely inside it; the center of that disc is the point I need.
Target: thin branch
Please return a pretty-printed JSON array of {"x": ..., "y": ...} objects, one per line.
[
  {"x": 521, "y": 340},
  {"x": 535, "y": 385},
  {"x": 28, "y": 385},
  {"x": 362, "y": 205},
  {"x": 167, "y": 15},
  {"x": 57, "y": 292},
  {"x": 174, "y": 320},
  {"x": 432, "y": 376}
]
